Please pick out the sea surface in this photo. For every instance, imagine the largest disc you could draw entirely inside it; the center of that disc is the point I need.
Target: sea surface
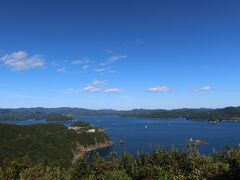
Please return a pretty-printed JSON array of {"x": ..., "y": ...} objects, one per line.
[{"x": 145, "y": 135}]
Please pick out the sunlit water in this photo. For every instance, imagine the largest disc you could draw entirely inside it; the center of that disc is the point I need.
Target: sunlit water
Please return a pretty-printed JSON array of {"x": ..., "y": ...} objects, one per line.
[{"x": 144, "y": 135}]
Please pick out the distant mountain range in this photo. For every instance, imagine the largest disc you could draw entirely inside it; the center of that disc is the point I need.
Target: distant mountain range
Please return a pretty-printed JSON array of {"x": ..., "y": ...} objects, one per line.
[{"x": 228, "y": 113}]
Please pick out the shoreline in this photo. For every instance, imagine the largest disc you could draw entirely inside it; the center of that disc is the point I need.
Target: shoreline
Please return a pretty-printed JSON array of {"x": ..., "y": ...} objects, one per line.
[
  {"x": 81, "y": 150},
  {"x": 98, "y": 146}
]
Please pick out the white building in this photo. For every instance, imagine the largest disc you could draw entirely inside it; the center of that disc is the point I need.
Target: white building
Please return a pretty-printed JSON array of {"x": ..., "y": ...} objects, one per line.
[
  {"x": 74, "y": 128},
  {"x": 91, "y": 131}
]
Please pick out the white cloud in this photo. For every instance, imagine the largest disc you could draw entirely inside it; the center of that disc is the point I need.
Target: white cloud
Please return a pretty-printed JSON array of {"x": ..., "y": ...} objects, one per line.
[
  {"x": 105, "y": 70},
  {"x": 20, "y": 60},
  {"x": 205, "y": 88},
  {"x": 96, "y": 89},
  {"x": 82, "y": 61},
  {"x": 113, "y": 59},
  {"x": 92, "y": 89},
  {"x": 112, "y": 90},
  {"x": 159, "y": 89},
  {"x": 85, "y": 67},
  {"x": 62, "y": 69},
  {"x": 98, "y": 82},
  {"x": 102, "y": 70}
]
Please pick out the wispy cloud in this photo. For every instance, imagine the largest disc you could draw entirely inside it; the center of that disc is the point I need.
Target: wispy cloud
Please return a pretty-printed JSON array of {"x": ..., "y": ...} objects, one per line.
[
  {"x": 112, "y": 90},
  {"x": 159, "y": 89},
  {"x": 62, "y": 69},
  {"x": 98, "y": 82},
  {"x": 85, "y": 63},
  {"x": 95, "y": 86},
  {"x": 116, "y": 58},
  {"x": 103, "y": 70},
  {"x": 204, "y": 89},
  {"x": 98, "y": 86},
  {"x": 20, "y": 60},
  {"x": 92, "y": 89},
  {"x": 85, "y": 67},
  {"x": 113, "y": 59},
  {"x": 82, "y": 61},
  {"x": 97, "y": 89}
]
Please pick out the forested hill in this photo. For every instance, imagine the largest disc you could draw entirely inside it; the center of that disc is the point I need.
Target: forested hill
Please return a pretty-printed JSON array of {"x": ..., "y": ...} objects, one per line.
[
  {"x": 52, "y": 114},
  {"x": 66, "y": 113},
  {"x": 228, "y": 113},
  {"x": 52, "y": 143}
]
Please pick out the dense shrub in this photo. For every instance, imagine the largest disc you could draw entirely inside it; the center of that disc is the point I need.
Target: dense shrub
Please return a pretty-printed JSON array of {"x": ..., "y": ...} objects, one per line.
[
  {"x": 80, "y": 124},
  {"x": 172, "y": 164}
]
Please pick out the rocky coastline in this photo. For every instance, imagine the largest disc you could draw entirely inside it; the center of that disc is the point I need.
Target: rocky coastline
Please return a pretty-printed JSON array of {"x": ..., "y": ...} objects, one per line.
[{"x": 81, "y": 150}]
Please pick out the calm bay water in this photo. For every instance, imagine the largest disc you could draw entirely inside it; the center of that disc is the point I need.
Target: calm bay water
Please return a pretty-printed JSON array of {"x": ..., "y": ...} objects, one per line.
[{"x": 145, "y": 134}]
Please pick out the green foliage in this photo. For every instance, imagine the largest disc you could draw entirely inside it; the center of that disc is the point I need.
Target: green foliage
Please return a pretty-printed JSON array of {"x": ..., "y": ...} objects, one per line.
[
  {"x": 80, "y": 169},
  {"x": 232, "y": 157},
  {"x": 1, "y": 173},
  {"x": 46, "y": 143},
  {"x": 44, "y": 172},
  {"x": 57, "y": 117},
  {"x": 116, "y": 175},
  {"x": 24, "y": 169},
  {"x": 80, "y": 124},
  {"x": 159, "y": 165}
]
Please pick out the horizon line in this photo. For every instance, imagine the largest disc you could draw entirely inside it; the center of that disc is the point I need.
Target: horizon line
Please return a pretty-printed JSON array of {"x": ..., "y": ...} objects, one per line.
[{"x": 117, "y": 109}]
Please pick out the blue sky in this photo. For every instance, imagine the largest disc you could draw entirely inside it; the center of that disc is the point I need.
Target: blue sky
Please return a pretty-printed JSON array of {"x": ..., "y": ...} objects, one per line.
[{"x": 120, "y": 54}]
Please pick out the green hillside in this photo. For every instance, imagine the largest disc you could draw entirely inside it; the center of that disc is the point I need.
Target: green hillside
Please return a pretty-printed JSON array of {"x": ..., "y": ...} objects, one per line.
[{"x": 52, "y": 143}]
